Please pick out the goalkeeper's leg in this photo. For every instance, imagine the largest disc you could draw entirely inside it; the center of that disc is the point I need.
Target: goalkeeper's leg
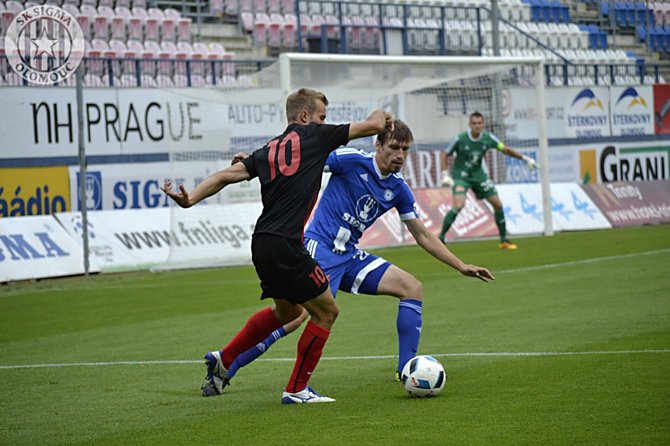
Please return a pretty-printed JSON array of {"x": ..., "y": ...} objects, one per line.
[
  {"x": 499, "y": 216},
  {"x": 457, "y": 205}
]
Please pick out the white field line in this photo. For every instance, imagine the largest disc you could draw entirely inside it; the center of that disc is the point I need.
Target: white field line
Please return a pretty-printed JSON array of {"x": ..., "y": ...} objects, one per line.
[
  {"x": 582, "y": 262},
  {"x": 348, "y": 358}
]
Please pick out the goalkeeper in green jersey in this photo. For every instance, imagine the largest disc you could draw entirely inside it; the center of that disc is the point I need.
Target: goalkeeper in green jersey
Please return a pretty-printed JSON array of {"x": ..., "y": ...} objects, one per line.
[{"x": 469, "y": 148}]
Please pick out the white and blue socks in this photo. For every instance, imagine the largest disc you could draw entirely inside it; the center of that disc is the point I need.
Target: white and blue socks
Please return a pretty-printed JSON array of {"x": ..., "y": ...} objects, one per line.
[{"x": 254, "y": 352}]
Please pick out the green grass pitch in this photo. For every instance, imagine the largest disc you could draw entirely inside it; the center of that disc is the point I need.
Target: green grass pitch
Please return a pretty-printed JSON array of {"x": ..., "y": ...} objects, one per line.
[{"x": 590, "y": 310}]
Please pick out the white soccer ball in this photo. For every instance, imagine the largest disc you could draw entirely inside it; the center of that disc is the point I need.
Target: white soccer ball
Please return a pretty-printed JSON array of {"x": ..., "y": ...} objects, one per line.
[
  {"x": 423, "y": 376},
  {"x": 446, "y": 180}
]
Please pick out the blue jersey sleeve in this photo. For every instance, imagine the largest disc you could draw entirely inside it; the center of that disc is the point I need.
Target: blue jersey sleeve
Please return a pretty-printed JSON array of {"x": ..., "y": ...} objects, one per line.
[
  {"x": 406, "y": 204},
  {"x": 333, "y": 164},
  {"x": 340, "y": 161}
]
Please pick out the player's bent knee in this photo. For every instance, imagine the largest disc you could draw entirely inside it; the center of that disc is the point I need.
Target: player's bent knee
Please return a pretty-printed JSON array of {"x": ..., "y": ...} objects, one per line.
[
  {"x": 325, "y": 319},
  {"x": 415, "y": 289}
]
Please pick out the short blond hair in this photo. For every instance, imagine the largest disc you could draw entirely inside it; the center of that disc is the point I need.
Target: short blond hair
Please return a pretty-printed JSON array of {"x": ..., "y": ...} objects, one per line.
[{"x": 303, "y": 99}]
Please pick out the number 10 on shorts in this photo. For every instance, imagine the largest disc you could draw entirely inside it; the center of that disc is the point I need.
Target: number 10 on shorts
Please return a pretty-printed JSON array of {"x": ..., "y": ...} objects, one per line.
[{"x": 318, "y": 276}]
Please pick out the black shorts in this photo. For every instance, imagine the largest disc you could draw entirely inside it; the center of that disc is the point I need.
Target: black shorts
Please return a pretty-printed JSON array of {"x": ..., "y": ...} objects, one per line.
[{"x": 286, "y": 269}]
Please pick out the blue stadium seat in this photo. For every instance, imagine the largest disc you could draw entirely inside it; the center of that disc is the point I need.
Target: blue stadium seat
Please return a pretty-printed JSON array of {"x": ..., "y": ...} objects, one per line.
[
  {"x": 565, "y": 14},
  {"x": 546, "y": 11},
  {"x": 656, "y": 37},
  {"x": 621, "y": 14},
  {"x": 553, "y": 11},
  {"x": 605, "y": 8},
  {"x": 641, "y": 33},
  {"x": 536, "y": 10},
  {"x": 645, "y": 16}
]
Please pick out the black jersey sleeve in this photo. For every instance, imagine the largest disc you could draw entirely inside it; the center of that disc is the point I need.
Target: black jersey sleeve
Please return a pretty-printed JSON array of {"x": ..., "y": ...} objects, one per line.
[
  {"x": 250, "y": 163},
  {"x": 334, "y": 135}
]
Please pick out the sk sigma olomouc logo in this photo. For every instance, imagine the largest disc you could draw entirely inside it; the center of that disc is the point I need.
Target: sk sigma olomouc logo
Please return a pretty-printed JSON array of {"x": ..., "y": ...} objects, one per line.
[{"x": 44, "y": 44}]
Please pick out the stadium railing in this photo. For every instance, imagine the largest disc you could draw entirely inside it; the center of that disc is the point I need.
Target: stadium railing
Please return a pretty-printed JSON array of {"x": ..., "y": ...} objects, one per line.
[{"x": 169, "y": 73}]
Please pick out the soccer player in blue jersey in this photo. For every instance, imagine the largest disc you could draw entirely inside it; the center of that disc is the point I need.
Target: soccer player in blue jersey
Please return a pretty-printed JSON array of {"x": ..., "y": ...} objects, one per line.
[
  {"x": 289, "y": 168},
  {"x": 362, "y": 187}
]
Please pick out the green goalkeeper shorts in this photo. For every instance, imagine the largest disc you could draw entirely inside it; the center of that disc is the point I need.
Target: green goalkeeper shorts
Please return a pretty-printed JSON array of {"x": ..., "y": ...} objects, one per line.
[{"x": 482, "y": 189}]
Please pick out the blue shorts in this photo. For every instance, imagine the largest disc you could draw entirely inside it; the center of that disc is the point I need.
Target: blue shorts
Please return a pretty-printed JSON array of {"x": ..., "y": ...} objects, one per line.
[{"x": 353, "y": 271}]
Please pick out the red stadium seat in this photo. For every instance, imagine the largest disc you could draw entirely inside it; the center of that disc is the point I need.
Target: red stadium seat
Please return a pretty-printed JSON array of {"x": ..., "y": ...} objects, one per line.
[
  {"x": 151, "y": 29},
  {"x": 261, "y": 23},
  {"x": 288, "y": 6},
  {"x": 259, "y": 6},
  {"x": 289, "y": 31},
  {"x": 275, "y": 26},
  {"x": 184, "y": 30}
]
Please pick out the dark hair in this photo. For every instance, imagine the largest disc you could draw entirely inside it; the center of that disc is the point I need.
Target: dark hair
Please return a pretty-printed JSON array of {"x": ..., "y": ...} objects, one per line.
[
  {"x": 476, "y": 115},
  {"x": 401, "y": 133},
  {"x": 303, "y": 99}
]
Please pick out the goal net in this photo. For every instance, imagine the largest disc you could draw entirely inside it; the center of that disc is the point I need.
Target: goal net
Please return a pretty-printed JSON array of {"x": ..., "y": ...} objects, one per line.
[{"x": 433, "y": 95}]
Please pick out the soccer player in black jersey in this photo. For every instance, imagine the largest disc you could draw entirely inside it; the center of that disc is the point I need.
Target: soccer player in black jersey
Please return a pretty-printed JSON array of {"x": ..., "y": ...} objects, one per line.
[{"x": 289, "y": 168}]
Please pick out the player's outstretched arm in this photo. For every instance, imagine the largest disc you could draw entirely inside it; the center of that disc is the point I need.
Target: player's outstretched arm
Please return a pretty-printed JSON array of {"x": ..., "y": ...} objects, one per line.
[
  {"x": 376, "y": 122},
  {"x": 428, "y": 241},
  {"x": 210, "y": 186},
  {"x": 530, "y": 162}
]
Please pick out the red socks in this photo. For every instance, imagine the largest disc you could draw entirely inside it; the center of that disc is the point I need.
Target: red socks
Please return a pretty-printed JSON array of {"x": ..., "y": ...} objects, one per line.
[
  {"x": 258, "y": 327},
  {"x": 310, "y": 347}
]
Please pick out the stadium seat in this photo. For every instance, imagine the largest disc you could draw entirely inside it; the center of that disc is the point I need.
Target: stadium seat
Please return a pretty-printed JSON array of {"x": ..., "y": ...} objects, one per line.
[
  {"x": 135, "y": 29},
  {"x": 316, "y": 23},
  {"x": 261, "y": 23},
  {"x": 333, "y": 24},
  {"x": 227, "y": 81},
  {"x": 198, "y": 70},
  {"x": 118, "y": 27},
  {"x": 259, "y": 7},
  {"x": 245, "y": 6},
  {"x": 274, "y": 6},
  {"x": 165, "y": 56},
  {"x": 169, "y": 25},
  {"x": 140, "y": 13},
  {"x": 184, "y": 30},
  {"x": 123, "y": 12},
  {"x": 72, "y": 9},
  {"x": 216, "y": 7},
  {"x": 93, "y": 80},
  {"x": 289, "y": 31},
  {"x": 164, "y": 81},
  {"x": 288, "y": 6},
  {"x": 118, "y": 46},
  {"x": 151, "y": 29},
  {"x": 180, "y": 80},
  {"x": 371, "y": 36},
  {"x": 150, "y": 56},
  {"x": 275, "y": 25}
]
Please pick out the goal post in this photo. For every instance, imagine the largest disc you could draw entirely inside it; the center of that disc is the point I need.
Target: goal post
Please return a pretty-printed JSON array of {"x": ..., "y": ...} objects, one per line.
[
  {"x": 355, "y": 77},
  {"x": 433, "y": 95}
]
